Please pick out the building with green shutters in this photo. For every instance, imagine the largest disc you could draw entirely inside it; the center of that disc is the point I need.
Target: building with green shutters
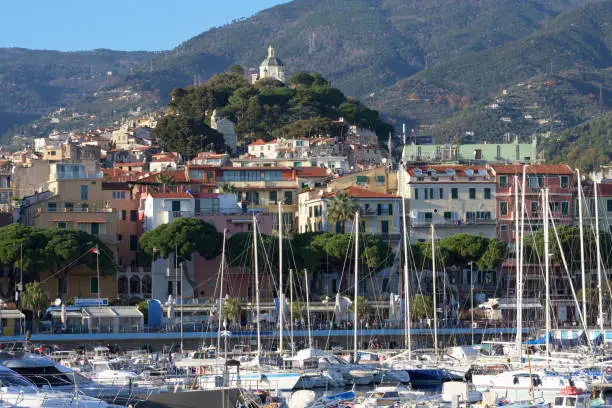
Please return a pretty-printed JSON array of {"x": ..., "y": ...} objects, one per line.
[{"x": 472, "y": 153}]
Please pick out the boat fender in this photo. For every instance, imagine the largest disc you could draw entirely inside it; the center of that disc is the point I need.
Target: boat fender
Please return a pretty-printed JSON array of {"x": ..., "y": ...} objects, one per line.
[
  {"x": 201, "y": 370},
  {"x": 609, "y": 369}
]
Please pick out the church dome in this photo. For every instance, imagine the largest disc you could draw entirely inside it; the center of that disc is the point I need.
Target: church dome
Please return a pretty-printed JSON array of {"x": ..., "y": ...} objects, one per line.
[{"x": 272, "y": 60}]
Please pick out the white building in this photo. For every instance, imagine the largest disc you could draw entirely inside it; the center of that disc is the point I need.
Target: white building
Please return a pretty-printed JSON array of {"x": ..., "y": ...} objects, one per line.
[
  {"x": 272, "y": 67},
  {"x": 455, "y": 198},
  {"x": 227, "y": 128},
  {"x": 264, "y": 150}
]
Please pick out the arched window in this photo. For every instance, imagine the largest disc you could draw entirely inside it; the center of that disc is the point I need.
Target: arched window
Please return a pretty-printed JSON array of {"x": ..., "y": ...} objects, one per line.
[
  {"x": 134, "y": 284},
  {"x": 122, "y": 285},
  {"x": 146, "y": 285}
]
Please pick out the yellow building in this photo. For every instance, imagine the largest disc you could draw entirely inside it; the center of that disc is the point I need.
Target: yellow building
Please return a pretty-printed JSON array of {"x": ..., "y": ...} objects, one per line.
[
  {"x": 78, "y": 202},
  {"x": 82, "y": 282},
  {"x": 60, "y": 152},
  {"x": 378, "y": 179}
]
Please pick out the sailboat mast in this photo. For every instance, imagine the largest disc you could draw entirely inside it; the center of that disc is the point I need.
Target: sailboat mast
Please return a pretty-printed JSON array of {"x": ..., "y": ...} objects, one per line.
[
  {"x": 517, "y": 251},
  {"x": 433, "y": 273},
  {"x": 256, "y": 288},
  {"x": 221, "y": 289},
  {"x": 280, "y": 280},
  {"x": 519, "y": 306},
  {"x": 547, "y": 273},
  {"x": 356, "y": 286},
  {"x": 598, "y": 247},
  {"x": 308, "y": 309},
  {"x": 291, "y": 307},
  {"x": 407, "y": 322},
  {"x": 581, "y": 227}
]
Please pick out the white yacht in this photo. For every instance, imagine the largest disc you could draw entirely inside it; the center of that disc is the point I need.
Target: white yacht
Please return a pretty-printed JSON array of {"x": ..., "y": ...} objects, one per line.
[{"x": 16, "y": 391}]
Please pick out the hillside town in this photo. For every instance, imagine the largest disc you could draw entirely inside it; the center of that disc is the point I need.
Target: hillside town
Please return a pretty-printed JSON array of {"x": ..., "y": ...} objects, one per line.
[{"x": 117, "y": 183}]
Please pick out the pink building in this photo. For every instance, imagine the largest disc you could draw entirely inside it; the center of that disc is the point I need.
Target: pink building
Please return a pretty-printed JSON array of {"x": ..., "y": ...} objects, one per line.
[{"x": 558, "y": 178}]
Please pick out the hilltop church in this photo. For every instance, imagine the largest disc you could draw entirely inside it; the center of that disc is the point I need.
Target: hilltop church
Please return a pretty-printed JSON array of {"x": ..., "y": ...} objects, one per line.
[{"x": 271, "y": 67}]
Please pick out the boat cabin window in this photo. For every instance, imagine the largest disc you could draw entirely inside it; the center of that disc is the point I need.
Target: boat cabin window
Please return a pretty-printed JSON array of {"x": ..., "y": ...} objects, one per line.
[
  {"x": 13, "y": 380},
  {"x": 559, "y": 401},
  {"x": 391, "y": 394},
  {"x": 43, "y": 375},
  {"x": 570, "y": 402}
]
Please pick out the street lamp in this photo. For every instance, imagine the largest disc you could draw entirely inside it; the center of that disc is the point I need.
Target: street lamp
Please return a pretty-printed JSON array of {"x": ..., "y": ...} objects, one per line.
[{"x": 471, "y": 263}]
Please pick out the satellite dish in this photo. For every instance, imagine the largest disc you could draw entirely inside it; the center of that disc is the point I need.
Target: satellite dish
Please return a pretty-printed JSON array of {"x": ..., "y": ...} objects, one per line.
[{"x": 57, "y": 302}]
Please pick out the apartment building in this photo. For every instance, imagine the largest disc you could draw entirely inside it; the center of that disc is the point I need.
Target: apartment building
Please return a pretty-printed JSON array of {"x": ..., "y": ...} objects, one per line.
[
  {"x": 558, "y": 178},
  {"x": 380, "y": 212},
  {"x": 454, "y": 198}
]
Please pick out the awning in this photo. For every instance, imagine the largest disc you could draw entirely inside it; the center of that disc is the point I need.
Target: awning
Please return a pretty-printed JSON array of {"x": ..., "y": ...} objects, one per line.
[
  {"x": 526, "y": 305},
  {"x": 99, "y": 312},
  {"x": 127, "y": 311},
  {"x": 69, "y": 314},
  {"x": 11, "y": 314}
]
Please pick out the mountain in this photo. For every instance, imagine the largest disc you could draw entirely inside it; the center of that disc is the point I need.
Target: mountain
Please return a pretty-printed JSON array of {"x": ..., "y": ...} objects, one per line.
[
  {"x": 33, "y": 83},
  {"x": 585, "y": 146},
  {"x": 538, "y": 105},
  {"x": 366, "y": 48},
  {"x": 579, "y": 40}
]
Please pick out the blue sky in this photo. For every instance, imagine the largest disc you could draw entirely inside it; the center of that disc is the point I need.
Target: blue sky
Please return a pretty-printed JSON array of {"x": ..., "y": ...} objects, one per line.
[{"x": 70, "y": 25}]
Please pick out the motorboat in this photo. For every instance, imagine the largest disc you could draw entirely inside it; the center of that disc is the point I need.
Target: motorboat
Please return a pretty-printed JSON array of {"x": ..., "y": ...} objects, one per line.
[
  {"x": 391, "y": 397},
  {"x": 17, "y": 391},
  {"x": 45, "y": 373},
  {"x": 112, "y": 373}
]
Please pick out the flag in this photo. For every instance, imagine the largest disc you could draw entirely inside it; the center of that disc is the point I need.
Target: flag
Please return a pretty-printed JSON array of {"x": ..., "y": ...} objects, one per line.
[{"x": 94, "y": 250}]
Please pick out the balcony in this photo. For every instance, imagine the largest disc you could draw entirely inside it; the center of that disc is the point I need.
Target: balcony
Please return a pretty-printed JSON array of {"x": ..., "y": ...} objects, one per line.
[{"x": 74, "y": 210}]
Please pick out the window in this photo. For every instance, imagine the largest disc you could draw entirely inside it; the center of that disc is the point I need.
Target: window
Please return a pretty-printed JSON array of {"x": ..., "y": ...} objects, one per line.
[
  {"x": 390, "y": 209},
  {"x": 487, "y": 193},
  {"x": 384, "y": 227},
  {"x": 170, "y": 287},
  {"x": 503, "y": 181},
  {"x": 119, "y": 195},
  {"x": 123, "y": 215},
  {"x": 380, "y": 180},
  {"x": 361, "y": 180},
  {"x": 69, "y": 207},
  {"x": 134, "y": 214},
  {"x": 51, "y": 207},
  {"x": 441, "y": 194},
  {"x": 447, "y": 215},
  {"x": 93, "y": 285},
  {"x": 416, "y": 193},
  {"x": 119, "y": 237},
  {"x": 378, "y": 209},
  {"x": 84, "y": 193},
  {"x": 564, "y": 181},
  {"x": 472, "y": 193},
  {"x": 609, "y": 205},
  {"x": 310, "y": 211},
  {"x": 503, "y": 208},
  {"x": 339, "y": 227},
  {"x": 362, "y": 226},
  {"x": 62, "y": 225},
  {"x": 554, "y": 206},
  {"x": 210, "y": 175},
  {"x": 273, "y": 197},
  {"x": 431, "y": 193},
  {"x": 534, "y": 208},
  {"x": 426, "y": 193},
  {"x": 564, "y": 207},
  {"x": 133, "y": 242},
  {"x": 503, "y": 228},
  {"x": 288, "y": 197},
  {"x": 454, "y": 193},
  {"x": 53, "y": 152}
]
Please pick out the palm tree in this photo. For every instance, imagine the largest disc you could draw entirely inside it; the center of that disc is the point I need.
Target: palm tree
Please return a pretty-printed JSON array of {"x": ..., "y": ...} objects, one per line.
[
  {"x": 340, "y": 208},
  {"x": 364, "y": 309},
  {"x": 232, "y": 309},
  {"x": 34, "y": 299},
  {"x": 165, "y": 179}
]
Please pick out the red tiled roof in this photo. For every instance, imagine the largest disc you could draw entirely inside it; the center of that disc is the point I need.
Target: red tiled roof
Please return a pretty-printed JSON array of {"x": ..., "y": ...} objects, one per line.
[
  {"x": 171, "y": 195},
  {"x": 179, "y": 177},
  {"x": 533, "y": 169},
  {"x": 312, "y": 172},
  {"x": 358, "y": 192},
  {"x": 260, "y": 142},
  {"x": 129, "y": 164}
]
